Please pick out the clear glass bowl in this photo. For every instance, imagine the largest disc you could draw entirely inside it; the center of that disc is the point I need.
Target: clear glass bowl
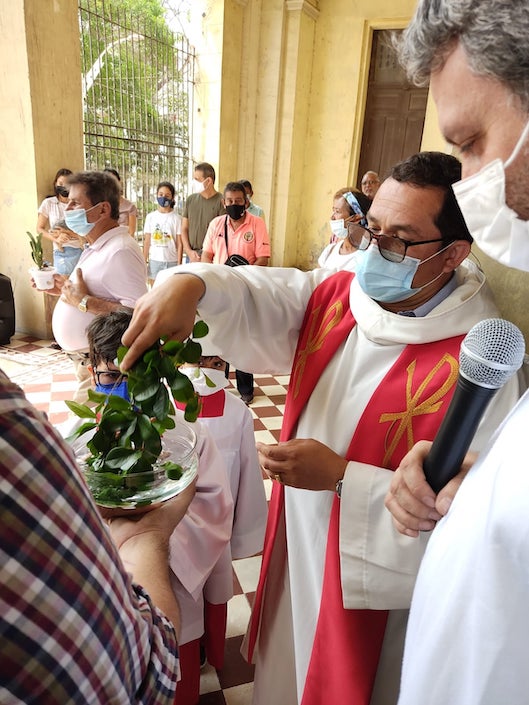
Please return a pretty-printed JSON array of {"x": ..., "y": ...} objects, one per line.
[{"x": 147, "y": 490}]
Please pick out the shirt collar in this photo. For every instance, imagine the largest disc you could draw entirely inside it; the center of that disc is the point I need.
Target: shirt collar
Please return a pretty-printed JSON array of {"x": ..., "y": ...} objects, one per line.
[{"x": 425, "y": 308}]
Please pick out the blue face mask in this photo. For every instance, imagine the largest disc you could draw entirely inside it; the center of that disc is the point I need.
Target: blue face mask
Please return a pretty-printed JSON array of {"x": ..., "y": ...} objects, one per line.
[
  {"x": 164, "y": 202},
  {"x": 76, "y": 220},
  {"x": 118, "y": 390},
  {"x": 387, "y": 281}
]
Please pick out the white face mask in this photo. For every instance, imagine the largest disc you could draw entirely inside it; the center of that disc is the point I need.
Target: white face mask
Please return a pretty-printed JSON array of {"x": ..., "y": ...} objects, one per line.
[
  {"x": 215, "y": 382},
  {"x": 497, "y": 229},
  {"x": 197, "y": 186},
  {"x": 338, "y": 229}
]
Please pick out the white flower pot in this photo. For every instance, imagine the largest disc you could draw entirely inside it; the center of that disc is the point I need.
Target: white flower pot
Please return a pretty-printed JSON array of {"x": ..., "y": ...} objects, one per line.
[{"x": 43, "y": 278}]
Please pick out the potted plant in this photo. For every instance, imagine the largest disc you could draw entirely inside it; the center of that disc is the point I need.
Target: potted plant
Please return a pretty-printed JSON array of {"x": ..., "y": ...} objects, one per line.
[
  {"x": 125, "y": 462},
  {"x": 43, "y": 271}
]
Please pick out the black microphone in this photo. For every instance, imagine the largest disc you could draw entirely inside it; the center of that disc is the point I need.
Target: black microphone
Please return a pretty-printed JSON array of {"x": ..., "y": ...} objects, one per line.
[{"x": 491, "y": 352}]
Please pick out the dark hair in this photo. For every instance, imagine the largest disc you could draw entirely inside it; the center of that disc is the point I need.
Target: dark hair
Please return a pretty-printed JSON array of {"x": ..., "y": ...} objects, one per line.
[
  {"x": 436, "y": 170},
  {"x": 363, "y": 201},
  {"x": 61, "y": 172},
  {"x": 100, "y": 187},
  {"x": 235, "y": 186},
  {"x": 104, "y": 335},
  {"x": 206, "y": 170},
  {"x": 112, "y": 171},
  {"x": 168, "y": 185},
  {"x": 246, "y": 184}
]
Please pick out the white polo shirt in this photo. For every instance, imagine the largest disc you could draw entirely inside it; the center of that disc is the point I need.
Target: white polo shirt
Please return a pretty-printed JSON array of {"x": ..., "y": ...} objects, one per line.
[{"x": 113, "y": 269}]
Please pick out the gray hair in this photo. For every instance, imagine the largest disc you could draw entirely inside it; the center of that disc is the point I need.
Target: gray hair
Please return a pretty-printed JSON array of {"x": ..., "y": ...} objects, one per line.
[{"x": 493, "y": 33}]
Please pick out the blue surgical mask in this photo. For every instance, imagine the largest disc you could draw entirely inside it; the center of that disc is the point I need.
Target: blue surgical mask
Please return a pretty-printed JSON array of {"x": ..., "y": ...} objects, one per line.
[
  {"x": 386, "y": 281},
  {"x": 338, "y": 229},
  {"x": 118, "y": 390},
  {"x": 76, "y": 220}
]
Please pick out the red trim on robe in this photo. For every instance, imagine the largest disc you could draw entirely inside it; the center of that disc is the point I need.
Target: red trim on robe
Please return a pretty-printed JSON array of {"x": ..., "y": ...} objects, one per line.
[{"x": 210, "y": 406}]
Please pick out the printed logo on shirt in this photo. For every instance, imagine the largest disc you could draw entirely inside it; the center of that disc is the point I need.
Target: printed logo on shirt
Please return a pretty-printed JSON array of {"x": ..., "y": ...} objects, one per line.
[
  {"x": 248, "y": 237},
  {"x": 161, "y": 237}
]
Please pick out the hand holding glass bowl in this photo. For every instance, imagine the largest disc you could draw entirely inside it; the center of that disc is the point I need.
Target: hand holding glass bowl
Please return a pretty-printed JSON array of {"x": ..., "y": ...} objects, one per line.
[{"x": 175, "y": 469}]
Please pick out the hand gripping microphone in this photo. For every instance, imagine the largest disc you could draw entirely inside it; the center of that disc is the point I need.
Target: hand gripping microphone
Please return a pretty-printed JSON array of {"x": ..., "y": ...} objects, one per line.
[{"x": 492, "y": 351}]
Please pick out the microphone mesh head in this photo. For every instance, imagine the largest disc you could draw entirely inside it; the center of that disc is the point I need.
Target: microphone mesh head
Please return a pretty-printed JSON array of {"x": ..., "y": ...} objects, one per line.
[{"x": 492, "y": 351}]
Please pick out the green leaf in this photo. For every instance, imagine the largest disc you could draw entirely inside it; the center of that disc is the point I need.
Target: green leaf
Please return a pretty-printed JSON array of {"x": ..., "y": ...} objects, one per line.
[
  {"x": 99, "y": 443},
  {"x": 151, "y": 355},
  {"x": 147, "y": 388},
  {"x": 181, "y": 388},
  {"x": 122, "y": 351},
  {"x": 200, "y": 329},
  {"x": 163, "y": 425},
  {"x": 162, "y": 403},
  {"x": 98, "y": 397},
  {"x": 153, "y": 446},
  {"x": 81, "y": 410},
  {"x": 113, "y": 422},
  {"x": 173, "y": 470},
  {"x": 192, "y": 409},
  {"x": 122, "y": 459},
  {"x": 209, "y": 382},
  {"x": 191, "y": 351},
  {"x": 88, "y": 426},
  {"x": 144, "y": 464},
  {"x": 146, "y": 428},
  {"x": 118, "y": 403},
  {"x": 171, "y": 347},
  {"x": 168, "y": 369},
  {"x": 128, "y": 432}
]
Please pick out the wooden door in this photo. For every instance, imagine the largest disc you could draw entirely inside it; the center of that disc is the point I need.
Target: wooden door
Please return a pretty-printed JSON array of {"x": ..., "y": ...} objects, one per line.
[{"x": 394, "y": 116}]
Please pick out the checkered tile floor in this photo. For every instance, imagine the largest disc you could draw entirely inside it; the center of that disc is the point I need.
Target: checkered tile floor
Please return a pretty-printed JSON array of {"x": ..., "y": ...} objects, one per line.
[{"x": 46, "y": 376}]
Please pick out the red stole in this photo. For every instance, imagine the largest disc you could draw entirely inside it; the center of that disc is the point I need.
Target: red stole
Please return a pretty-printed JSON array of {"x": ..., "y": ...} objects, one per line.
[{"x": 407, "y": 406}]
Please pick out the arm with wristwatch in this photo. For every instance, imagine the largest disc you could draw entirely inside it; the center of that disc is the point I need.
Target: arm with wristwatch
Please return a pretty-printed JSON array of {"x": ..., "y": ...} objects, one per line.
[{"x": 75, "y": 292}]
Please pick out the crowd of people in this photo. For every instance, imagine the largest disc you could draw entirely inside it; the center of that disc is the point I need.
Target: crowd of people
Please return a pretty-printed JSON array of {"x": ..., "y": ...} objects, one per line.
[{"x": 373, "y": 589}]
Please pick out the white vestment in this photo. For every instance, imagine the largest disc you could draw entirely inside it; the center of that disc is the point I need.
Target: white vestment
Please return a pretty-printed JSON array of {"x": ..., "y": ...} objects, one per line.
[
  {"x": 233, "y": 434},
  {"x": 467, "y": 637},
  {"x": 254, "y": 322}
]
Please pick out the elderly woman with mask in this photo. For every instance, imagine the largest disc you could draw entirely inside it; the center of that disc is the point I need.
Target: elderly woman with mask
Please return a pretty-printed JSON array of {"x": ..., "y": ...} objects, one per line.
[{"x": 349, "y": 206}]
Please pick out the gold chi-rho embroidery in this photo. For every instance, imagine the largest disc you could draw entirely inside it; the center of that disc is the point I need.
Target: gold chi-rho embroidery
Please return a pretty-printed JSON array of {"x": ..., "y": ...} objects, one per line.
[
  {"x": 315, "y": 339},
  {"x": 416, "y": 406}
]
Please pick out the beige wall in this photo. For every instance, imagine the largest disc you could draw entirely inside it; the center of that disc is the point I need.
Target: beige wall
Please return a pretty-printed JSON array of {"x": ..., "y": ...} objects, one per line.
[
  {"x": 294, "y": 81},
  {"x": 40, "y": 95}
]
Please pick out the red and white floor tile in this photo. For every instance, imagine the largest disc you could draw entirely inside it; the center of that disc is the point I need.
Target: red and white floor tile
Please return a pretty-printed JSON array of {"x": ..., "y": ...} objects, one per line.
[{"x": 47, "y": 378}]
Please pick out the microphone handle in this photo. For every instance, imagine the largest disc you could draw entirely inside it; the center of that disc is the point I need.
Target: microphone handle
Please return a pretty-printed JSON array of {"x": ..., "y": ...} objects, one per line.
[{"x": 456, "y": 432}]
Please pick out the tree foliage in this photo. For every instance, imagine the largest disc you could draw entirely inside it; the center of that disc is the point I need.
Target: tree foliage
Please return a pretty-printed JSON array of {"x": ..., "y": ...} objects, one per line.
[{"x": 137, "y": 78}]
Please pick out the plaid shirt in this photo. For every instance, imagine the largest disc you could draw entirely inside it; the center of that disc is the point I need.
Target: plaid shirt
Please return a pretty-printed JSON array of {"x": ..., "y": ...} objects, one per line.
[{"x": 73, "y": 628}]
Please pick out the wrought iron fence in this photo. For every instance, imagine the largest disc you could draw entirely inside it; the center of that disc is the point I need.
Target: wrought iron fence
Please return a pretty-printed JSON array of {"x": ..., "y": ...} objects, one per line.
[{"x": 138, "y": 90}]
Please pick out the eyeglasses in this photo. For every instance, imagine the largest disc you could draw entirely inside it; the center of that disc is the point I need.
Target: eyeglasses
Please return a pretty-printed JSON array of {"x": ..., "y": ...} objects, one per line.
[
  {"x": 109, "y": 376},
  {"x": 391, "y": 247},
  {"x": 369, "y": 183}
]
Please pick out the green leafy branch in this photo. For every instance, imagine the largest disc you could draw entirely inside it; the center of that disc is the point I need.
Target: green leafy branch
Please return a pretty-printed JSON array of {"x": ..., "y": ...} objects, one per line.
[{"x": 128, "y": 434}]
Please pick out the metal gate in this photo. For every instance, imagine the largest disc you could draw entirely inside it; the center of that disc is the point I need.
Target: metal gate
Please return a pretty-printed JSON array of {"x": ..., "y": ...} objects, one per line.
[{"x": 137, "y": 91}]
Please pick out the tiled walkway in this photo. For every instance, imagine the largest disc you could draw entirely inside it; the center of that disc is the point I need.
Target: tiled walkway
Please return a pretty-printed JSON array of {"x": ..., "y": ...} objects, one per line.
[{"x": 46, "y": 376}]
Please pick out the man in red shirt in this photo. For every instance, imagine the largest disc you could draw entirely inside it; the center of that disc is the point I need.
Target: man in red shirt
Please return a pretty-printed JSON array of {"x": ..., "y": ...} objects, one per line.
[{"x": 239, "y": 232}]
